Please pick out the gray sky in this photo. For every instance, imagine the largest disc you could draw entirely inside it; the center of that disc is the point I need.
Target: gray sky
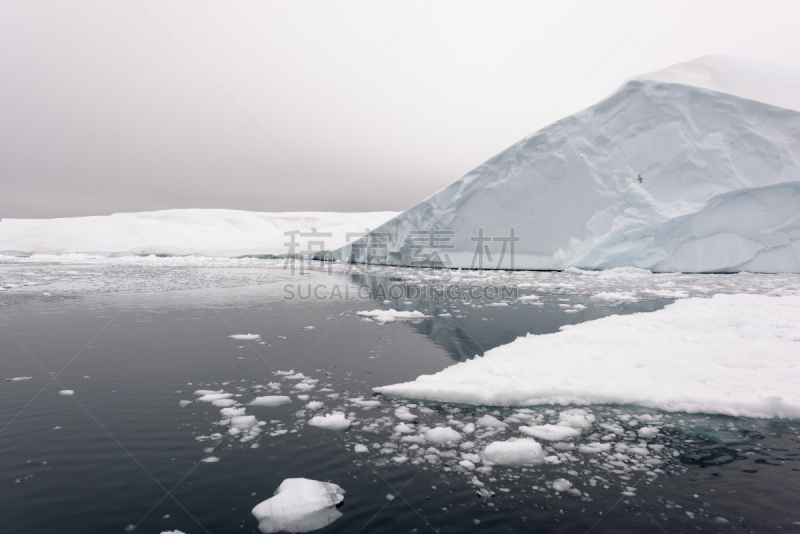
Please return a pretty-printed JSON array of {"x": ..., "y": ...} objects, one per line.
[{"x": 121, "y": 105}]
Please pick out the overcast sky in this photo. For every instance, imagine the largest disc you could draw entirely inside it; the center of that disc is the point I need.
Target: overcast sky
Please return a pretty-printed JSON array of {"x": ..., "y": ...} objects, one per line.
[{"x": 121, "y": 105}]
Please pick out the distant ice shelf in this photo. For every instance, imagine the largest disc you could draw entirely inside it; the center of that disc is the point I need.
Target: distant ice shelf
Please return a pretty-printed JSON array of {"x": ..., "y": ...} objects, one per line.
[
  {"x": 207, "y": 232},
  {"x": 692, "y": 168}
]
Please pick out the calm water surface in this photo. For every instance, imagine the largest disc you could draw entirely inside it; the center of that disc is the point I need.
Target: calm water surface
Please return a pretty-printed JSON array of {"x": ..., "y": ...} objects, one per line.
[{"x": 121, "y": 454}]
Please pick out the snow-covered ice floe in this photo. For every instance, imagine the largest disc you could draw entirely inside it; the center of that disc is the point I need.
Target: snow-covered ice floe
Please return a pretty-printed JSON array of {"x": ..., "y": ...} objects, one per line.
[
  {"x": 299, "y": 505},
  {"x": 211, "y": 232},
  {"x": 692, "y": 168},
  {"x": 731, "y": 354}
]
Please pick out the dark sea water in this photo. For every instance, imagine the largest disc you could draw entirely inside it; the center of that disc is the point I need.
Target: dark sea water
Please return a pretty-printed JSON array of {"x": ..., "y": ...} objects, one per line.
[{"x": 121, "y": 454}]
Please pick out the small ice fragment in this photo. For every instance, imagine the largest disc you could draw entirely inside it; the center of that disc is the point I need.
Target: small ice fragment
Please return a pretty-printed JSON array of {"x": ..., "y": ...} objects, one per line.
[
  {"x": 648, "y": 432},
  {"x": 19, "y": 379},
  {"x": 332, "y": 421},
  {"x": 359, "y": 448},
  {"x": 270, "y": 400},
  {"x": 517, "y": 452},
  {"x": 210, "y": 460},
  {"x": 561, "y": 484},
  {"x": 66, "y": 392},
  {"x": 246, "y": 337},
  {"x": 299, "y": 505},
  {"x": 442, "y": 435},
  {"x": 550, "y": 432},
  {"x": 185, "y": 403}
]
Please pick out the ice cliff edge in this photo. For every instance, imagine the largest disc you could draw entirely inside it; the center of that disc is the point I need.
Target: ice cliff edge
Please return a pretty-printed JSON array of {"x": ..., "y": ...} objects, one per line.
[{"x": 692, "y": 168}]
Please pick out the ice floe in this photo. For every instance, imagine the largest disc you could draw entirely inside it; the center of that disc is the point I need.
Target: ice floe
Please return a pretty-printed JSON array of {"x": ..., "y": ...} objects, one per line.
[
  {"x": 299, "y": 505},
  {"x": 730, "y": 354}
]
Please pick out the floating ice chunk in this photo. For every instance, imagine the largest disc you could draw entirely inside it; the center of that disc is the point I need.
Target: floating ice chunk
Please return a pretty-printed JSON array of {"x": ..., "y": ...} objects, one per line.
[
  {"x": 173, "y": 531},
  {"x": 403, "y": 428},
  {"x": 442, "y": 435},
  {"x": 222, "y": 403},
  {"x": 359, "y": 448},
  {"x": 303, "y": 397},
  {"x": 648, "y": 432},
  {"x": 466, "y": 464},
  {"x": 231, "y": 412},
  {"x": 185, "y": 403},
  {"x": 299, "y": 505},
  {"x": 528, "y": 298},
  {"x": 514, "y": 452},
  {"x": 366, "y": 403},
  {"x": 576, "y": 418},
  {"x": 550, "y": 432},
  {"x": 624, "y": 296},
  {"x": 390, "y": 316},
  {"x": 207, "y": 395},
  {"x": 332, "y": 421},
  {"x": 403, "y": 413},
  {"x": 490, "y": 421},
  {"x": 243, "y": 422},
  {"x": 469, "y": 428},
  {"x": 210, "y": 459},
  {"x": 270, "y": 400},
  {"x": 246, "y": 337},
  {"x": 19, "y": 379},
  {"x": 304, "y": 386},
  {"x": 66, "y": 392},
  {"x": 315, "y": 405},
  {"x": 594, "y": 447},
  {"x": 561, "y": 484}
]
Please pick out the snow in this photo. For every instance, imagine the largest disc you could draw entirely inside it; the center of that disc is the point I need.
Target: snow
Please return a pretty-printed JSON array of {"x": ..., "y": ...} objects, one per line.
[
  {"x": 714, "y": 141},
  {"x": 270, "y": 400},
  {"x": 729, "y": 354},
  {"x": 332, "y": 421},
  {"x": 212, "y": 232},
  {"x": 299, "y": 505},
  {"x": 514, "y": 452},
  {"x": 390, "y": 316}
]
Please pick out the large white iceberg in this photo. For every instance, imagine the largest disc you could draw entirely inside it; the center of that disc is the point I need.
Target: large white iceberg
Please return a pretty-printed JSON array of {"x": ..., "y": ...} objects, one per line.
[
  {"x": 299, "y": 505},
  {"x": 692, "y": 168},
  {"x": 731, "y": 354},
  {"x": 211, "y": 232}
]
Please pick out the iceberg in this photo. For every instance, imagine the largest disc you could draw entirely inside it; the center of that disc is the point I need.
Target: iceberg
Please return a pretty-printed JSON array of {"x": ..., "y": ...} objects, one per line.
[
  {"x": 693, "y": 168},
  {"x": 299, "y": 505},
  {"x": 730, "y": 354},
  {"x": 209, "y": 232}
]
